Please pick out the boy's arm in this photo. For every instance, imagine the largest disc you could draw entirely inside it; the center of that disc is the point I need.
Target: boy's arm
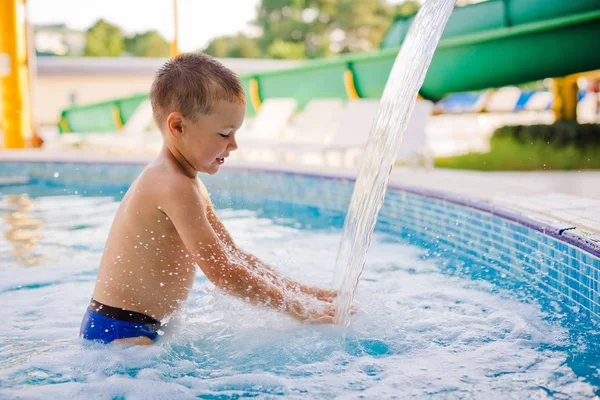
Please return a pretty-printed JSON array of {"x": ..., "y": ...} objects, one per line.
[
  {"x": 233, "y": 249},
  {"x": 257, "y": 264},
  {"x": 185, "y": 206}
]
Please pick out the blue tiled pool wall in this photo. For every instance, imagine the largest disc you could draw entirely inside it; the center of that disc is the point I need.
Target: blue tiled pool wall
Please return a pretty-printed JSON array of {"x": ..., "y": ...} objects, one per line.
[
  {"x": 76, "y": 174},
  {"x": 499, "y": 247},
  {"x": 487, "y": 245},
  {"x": 304, "y": 198},
  {"x": 460, "y": 237}
]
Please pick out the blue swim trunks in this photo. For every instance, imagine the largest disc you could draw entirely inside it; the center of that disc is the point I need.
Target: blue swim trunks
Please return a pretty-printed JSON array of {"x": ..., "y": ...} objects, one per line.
[{"x": 105, "y": 324}]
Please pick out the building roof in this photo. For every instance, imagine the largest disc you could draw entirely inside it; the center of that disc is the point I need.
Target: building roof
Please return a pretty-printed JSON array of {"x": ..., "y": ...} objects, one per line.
[
  {"x": 112, "y": 66},
  {"x": 62, "y": 28}
]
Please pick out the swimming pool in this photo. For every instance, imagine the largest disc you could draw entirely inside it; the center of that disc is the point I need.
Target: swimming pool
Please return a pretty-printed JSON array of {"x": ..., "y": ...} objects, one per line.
[{"x": 456, "y": 301}]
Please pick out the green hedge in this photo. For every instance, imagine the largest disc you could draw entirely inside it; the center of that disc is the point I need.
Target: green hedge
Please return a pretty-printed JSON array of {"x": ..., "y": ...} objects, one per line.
[
  {"x": 560, "y": 146},
  {"x": 560, "y": 134}
]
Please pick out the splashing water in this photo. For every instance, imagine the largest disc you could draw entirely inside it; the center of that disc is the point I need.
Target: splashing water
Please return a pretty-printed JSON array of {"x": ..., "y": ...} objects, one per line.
[{"x": 397, "y": 103}]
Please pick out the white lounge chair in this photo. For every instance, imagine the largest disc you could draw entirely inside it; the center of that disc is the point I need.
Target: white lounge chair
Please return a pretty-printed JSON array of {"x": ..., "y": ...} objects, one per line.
[
  {"x": 587, "y": 109},
  {"x": 309, "y": 131},
  {"x": 353, "y": 133},
  {"x": 540, "y": 101},
  {"x": 350, "y": 131},
  {"x": 138, "y": 136},
  {"x": 266, "y": 129},
  {"x": 414, "y": 149},
  {"x": 503, "y": 100},
  {"x": 462, "y": 103},
  {"x": 141, "y": 120},
  {"x": 65, "y": 141}
]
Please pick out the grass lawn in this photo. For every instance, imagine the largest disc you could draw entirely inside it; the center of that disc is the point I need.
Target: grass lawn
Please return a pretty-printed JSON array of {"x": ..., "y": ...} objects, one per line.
[{"x": 507, "y": 154}]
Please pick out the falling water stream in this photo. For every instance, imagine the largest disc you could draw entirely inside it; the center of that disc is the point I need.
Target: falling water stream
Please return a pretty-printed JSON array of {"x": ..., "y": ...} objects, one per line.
[{"x": 387, "y": 132}]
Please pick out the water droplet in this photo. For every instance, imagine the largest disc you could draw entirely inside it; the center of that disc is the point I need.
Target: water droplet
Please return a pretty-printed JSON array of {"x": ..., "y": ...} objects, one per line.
[{"x": 56, "y": 174}]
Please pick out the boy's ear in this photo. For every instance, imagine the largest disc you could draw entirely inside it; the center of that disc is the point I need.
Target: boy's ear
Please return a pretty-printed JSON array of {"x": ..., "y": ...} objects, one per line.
[{"x": 175, "y": 124}]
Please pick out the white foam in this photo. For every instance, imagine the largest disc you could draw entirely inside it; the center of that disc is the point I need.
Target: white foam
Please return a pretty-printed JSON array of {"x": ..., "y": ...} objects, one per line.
[{"x": 418, "y": 332}]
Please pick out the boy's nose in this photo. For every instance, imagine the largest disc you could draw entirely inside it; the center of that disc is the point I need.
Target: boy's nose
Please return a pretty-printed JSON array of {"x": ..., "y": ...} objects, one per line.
[{"x": 233, "y": 145}]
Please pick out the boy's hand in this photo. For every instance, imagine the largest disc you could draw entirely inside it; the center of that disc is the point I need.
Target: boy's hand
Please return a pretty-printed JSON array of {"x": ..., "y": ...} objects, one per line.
[
  {"x": 316, "y": 311},
  {"x": 327, "y": 295}
]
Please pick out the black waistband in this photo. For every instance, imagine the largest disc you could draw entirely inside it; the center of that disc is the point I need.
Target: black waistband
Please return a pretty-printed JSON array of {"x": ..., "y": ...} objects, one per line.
[{"x": 121, "y": 314}]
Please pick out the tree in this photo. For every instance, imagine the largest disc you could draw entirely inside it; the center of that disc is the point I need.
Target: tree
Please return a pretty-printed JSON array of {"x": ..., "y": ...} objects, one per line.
[
  {"x": 323, "y": 27},
  {"x": 148, "y": 44},
  {"x": 238, "y": 46},
  {"x": 219, "y": 47},
  {"x": 363, "y": 23},
  {"x": 313, "y": 28},
  {"x": 247, "y": 48},
  {"x": 408, "y": 8},
  {"x": 103, "y": 40},
  {"x": 467, "y": 2},
  {"x": 286, "y": 50}
]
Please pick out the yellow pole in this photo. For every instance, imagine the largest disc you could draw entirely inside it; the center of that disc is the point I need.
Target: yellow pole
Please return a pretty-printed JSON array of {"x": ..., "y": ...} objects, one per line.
[
  {"x": 349, "y": 85},
  {"x": 15, "y": 86},
  {"x": 589, "y": 74},
  {"x": 565, "y": 98},
  {"x": 254, "y": 94},
  {"x": 175, "y": 43}
]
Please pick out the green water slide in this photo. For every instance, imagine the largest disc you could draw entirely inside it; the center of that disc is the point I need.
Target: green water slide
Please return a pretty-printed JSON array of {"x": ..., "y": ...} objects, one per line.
[
  {"x": 107, "y": 116},
  {"x": 485, "y": 45}
]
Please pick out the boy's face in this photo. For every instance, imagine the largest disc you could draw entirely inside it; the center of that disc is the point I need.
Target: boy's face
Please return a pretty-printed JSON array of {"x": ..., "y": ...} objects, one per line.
[{"x": 208, "y": 141}]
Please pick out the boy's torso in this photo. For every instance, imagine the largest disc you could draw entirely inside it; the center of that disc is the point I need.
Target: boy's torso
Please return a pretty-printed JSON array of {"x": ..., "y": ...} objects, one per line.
[{"x": 145, "y": 266}]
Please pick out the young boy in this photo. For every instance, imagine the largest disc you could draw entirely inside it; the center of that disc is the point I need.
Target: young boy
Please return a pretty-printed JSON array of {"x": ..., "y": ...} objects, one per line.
[{"x": 166, "y": 224}]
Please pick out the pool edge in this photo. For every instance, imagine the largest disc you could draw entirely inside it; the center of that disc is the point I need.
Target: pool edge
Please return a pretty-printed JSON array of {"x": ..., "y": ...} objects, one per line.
[{"x": 565, "y": 232}]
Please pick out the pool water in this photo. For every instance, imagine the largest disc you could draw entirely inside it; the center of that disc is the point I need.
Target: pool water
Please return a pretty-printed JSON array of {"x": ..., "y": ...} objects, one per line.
[{"x": 423, "y": 329}]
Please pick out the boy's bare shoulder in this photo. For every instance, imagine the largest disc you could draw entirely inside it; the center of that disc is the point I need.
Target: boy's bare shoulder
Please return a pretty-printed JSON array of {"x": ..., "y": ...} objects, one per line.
[{"x": 165, "y": 182}]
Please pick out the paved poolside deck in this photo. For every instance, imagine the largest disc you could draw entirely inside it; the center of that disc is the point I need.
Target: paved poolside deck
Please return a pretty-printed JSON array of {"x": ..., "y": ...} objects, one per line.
[
  {"x": 568, "y": 199},
  {"x": 572, "y": 197},
  {"x": 564, "y": 198}
]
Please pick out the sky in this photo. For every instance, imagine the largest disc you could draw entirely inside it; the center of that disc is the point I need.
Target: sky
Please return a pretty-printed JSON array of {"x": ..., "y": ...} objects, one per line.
[{"x": 199, "y": 20}]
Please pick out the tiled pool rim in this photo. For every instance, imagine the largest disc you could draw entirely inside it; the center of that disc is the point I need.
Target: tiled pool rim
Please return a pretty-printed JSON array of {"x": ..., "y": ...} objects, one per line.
[
  {"x": 563, "y": 232},
  {"x": 46, "y": 170}
]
